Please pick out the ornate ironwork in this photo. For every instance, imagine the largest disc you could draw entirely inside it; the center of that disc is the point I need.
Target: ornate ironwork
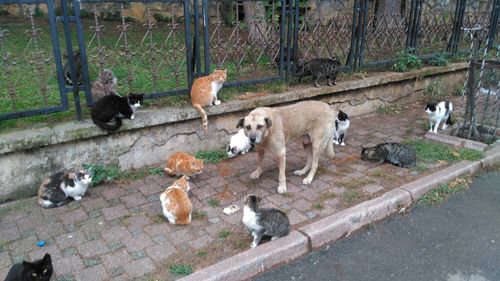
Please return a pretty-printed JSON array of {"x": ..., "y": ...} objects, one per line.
[{"x": 7, "y": 64}]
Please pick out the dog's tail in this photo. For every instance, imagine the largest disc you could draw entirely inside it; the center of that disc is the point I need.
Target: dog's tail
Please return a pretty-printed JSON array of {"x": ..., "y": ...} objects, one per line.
[{"x": 204, "y": 118}]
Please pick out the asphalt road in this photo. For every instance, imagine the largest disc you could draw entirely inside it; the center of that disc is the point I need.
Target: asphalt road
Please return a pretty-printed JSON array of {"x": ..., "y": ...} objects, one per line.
[{"x": 458, "y": 240}]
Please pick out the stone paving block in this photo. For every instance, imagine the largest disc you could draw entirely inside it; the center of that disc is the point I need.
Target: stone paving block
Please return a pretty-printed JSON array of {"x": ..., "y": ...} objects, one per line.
[
  {"x": 113, "y": 192},
  {"x": 201, "y": 242},
  {"x": 67, "y": 265},
  {"x": 94, "y": 204},
  {"x": 309, "y": 194},
  {"x": 372, "y": 188},
  {"x": 5, "y": 261},
  {"x": 160, "y": 251},
  {"x": 135, "y": 199},
  {"x": 114, "y": 212},
  {"x": 92, "y": 248},
  {"x": 278, "y": 199},
  {"x": 151, "y": 189},
  {"x": 301, "y": 205},
  {"x": 94, "y": 273},
  {"x": 71, "y": 239},
  {"x": 138, "y": 221},
  {"x": 22, "y": 246},
  {"x": 38, "y": 253},
  {"x": 204, "y": 192},
  {"x": 140, "y": 267},
  {"x": 181, "y": 236},
  {"x": 296, "y": 217},
  {"x": 334, "y": 202},
  {"x": 234, "y": 219},
  {"x": 74, "y": 216},
  {"x": 138, "y": 242},
  {"x": 10, "y": 234},
  {"x": 50, "y": 230},
  {"x": 152, "y": 209},
  {"x": 29, "y": 222},
  {"x": 118, "y": 258}
]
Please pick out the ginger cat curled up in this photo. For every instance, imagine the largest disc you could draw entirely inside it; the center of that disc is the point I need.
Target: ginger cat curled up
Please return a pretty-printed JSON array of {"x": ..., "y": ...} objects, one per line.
[
  {"x": 204, "y": 92},
  {"x": 183, "y": 164},
  {"x": 175, "y": 203}
]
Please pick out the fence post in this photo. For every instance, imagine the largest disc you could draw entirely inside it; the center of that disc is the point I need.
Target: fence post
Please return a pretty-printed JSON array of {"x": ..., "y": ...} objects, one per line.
[
  {"x": 354, "y": 36},
  {"x": 361, "y": 43},
  {"x": 83, "y": 53},
  {"x": 187, "y": 34},
  {"x": 196, "y": 46},
  {"x": 495, "y": 12},
  {"x": 206, "y": 39},
  {"x": 414, "y": 25},
  {"x": 458, "y": 21}
]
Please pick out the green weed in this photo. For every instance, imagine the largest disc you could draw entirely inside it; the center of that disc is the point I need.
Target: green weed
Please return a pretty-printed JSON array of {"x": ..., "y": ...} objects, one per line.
[
  {"x": 393, "y": 108},
  {"x": 351, "y": 196},
  {"x": 211, "y": 156},
  {"x": 318, "y": 206},
  {"x": 432, "y": 152},
  {"x": 406, "y": 62},
  {"x": 181, "y": 269},
  {"x": 438, "y": 195},
  {"x": 201, "y": 254},
  {"x": 438, "y": 60},
  {"x": 435, "y": 91},
  {"x": 212, "y": 202},
  {"x": 225, "y": 233},
  {"x": 102, "y": 173},
  {"x": 327, "y": 195},
  {"x": 199, "y": 215}
]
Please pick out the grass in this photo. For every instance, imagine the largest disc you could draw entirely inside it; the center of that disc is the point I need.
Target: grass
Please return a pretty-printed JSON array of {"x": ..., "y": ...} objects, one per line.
[
  {"x": 211, "y": 156},
  {"x": 435, "y": 91},
  {"x": 225, "y": 233},
  {"x": 438, "y": 195},
  {"x": 327, "y": 195},
  {"x": 318, "y": 206},
  {"x": 212, "y": 202},
  {"x": 381, "y": 174},
  {"x": 393, "y": 108},
  {"x": 199, "y": 215},
  {"x": 351, "y": 196},
  {"x": 181, "y": 269},
  {"x": 110, "y": 173},
  {"x": 240, "y": 245},
  {"x": 432, "y": 152},
  {"x": 201, "y": 254}
]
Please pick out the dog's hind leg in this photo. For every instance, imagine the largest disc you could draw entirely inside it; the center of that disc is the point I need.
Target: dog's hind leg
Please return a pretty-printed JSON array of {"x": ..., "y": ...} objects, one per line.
[
  {"x": 329, "y": 149},
  {"x": 306, "y": 142},
  {"x": 318, "y": 146}
]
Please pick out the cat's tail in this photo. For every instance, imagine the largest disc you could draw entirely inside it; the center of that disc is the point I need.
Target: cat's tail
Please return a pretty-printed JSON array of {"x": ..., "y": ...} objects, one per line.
[
  {"x": 106, "y": 126},
  {"x": 204, "y": 118}
]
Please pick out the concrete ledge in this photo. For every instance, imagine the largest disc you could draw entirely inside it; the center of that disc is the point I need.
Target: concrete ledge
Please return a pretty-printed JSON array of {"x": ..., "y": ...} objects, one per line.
[
  {"x": 456, "y": 141},
  {"x": 420, "y": 187},
  {"x": 337, "y": 225},
  {"x": 254, "y": 261},
  {"x": 492, "y": 157}
]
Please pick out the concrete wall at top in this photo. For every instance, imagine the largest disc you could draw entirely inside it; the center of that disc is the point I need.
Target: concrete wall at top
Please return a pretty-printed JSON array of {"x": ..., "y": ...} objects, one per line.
[{"x": 28, "y": 156}]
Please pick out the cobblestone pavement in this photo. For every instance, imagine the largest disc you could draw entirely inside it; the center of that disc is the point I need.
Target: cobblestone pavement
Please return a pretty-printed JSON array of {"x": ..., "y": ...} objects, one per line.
[{"x": 117, "y": 232}]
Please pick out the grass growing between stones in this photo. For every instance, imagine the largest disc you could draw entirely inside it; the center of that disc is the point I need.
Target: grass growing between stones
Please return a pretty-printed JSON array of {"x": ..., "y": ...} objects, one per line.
[
  {"x": 394, "y": 108},
  {"x": 199, "y": 215},
  {"x": 181, "y": 269},
  {"x": 438, "y": 195},
  {"x": 212, "y": 202},
  {"x": 432, "y": 152},
  {"x": 211, "y": 156},
  {"x": 318, "y": 206},
  {"x": 111, "y": 173},
  {"x": 225, "y": 233},
  {"x": 351, "y": 196},
  {"x": 354, "y": 183}
]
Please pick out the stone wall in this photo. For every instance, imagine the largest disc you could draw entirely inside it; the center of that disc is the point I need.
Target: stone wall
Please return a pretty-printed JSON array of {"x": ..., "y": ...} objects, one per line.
[{"x": 27, "y": 156}]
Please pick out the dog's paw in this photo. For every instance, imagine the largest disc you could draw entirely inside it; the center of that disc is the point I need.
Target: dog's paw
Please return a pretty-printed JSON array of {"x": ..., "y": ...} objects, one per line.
[
  {"x": 217, "y": 102},
  {"x": 282, "y": 189},
  {"x": 299, "y": 172},
  {"x": 307, "y": 180},
  {"x": 255, "y": 175}
]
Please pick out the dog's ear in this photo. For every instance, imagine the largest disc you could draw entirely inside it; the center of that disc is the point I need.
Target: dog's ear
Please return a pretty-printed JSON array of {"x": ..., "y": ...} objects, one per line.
[
  {"x": 240, "y": 123},
  {"x": 268, "y": 122}
]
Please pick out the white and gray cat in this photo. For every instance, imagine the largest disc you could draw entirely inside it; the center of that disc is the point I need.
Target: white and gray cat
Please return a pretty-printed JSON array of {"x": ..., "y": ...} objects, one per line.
[
  {"x": 56, "y": 189},
  {"x": 341, "y": 125},
  {"x": 264, "y": 222},
  {"x": 105, "y": 85},
  {"x": 437, "y": 113}
]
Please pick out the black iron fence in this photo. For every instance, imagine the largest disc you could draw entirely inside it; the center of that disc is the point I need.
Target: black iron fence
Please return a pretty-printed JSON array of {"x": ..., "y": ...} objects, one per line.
[{"x": 158, "y": 47}]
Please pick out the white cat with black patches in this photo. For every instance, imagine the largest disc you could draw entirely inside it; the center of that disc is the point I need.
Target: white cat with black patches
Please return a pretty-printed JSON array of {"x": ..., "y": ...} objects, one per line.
[
  {"x": 437, "y": 113},
  {"x": 239, "y": 144},
  {"x": 341, "y": 125}
]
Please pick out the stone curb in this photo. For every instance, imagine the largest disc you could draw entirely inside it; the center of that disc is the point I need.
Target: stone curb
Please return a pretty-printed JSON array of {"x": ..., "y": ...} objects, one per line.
[
  {"x": 254, "y": 261},
  {"x": 456, "y": 141},
  {"x": 329, "y": 229}
]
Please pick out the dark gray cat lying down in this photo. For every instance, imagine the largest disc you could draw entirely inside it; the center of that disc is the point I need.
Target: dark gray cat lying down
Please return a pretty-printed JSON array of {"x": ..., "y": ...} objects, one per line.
[{"x": 392, "y": 152}]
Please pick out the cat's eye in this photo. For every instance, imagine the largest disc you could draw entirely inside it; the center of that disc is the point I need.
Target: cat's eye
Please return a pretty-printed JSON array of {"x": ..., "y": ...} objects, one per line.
[
  {"x": 44, "y": 271},
  {"x": 259, "y": 127},
  {"x": 34, "y": 274},
  {"x": 248, "y": 127}
]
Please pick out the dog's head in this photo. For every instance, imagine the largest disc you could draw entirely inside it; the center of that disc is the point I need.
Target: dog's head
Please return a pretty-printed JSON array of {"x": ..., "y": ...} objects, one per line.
[{"x": 256, "y": 125}]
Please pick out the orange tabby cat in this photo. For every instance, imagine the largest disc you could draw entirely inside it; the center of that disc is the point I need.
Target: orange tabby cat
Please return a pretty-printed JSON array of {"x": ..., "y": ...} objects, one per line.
[
  {"x": 204, "y": 92},
  {"x": 182, "y": 163},
  {"x": 175, "y": 202}
]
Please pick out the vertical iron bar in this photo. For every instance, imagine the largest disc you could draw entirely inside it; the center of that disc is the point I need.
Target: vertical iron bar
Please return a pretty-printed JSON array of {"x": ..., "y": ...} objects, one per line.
[
  {"x": 282, "y": 35},
  {"x": 411, "y": 20},
  {"x": 69, "y": 49},
  {"x": 83, "y": 53},
  {"x": 196, "y": 46},
  {"x": 363, "y": 33},
  {"x": 354, "y": 35},
  {"x": 57, "y": 52},
  {"x": 206, "y": 42},
  {"x": 458, "y": 24},
  {"x": 419, "y": 17},
  {"x": 289, "y": 38},
  {"x": 495, "y": 12},
  {"x": 187, "y": 34},
  {"x": 296, "y": 35}
]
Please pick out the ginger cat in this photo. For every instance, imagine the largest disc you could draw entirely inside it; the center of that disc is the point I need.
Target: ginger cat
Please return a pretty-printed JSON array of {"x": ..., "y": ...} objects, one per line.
[
  {"x": 182, "y": 163},
  {"x": 204, "y": 92},
  {"x": 175, "y": 202}
]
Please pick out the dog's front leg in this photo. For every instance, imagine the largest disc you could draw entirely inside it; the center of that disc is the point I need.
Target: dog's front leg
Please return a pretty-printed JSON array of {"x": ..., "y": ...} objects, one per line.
[
  {"x": 282, "y": 166},
  {"x": 260, "y": 157}
]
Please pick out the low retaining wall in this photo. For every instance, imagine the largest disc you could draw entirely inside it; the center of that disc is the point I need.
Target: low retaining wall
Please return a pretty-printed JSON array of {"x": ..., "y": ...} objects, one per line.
[{"x": 27, "y": 156}]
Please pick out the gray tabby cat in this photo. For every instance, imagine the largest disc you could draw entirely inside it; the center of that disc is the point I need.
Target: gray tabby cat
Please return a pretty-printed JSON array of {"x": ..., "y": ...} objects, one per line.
[
  {"x": 320, "y": 68},
  {"x": 264, "y": 222},
  {"x": 392, "y": 152},
  {"x": 104, "y": 85}
]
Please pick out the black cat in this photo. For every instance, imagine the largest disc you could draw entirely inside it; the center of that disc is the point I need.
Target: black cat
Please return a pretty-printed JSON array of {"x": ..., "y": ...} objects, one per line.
[
  {"x": 320, "y": 68},
  {"x": 112, "y": 106},
  {"x": 40, "y": 270}
]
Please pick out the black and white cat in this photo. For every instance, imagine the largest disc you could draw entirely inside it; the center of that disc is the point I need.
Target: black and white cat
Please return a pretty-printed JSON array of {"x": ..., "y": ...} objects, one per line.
[
  {"x": 56, "y": 189},
  {"x": 437, "y": 113},
  {"x": 341, "y": 125},
  {"x": 40, "y": 270},
  {"x": 264, "y": 222},
  {"x": 239, "y": 144},
  {"x": 112, "y": 106}
]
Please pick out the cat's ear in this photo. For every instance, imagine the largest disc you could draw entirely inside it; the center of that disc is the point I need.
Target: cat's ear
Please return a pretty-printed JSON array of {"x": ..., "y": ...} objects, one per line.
[
  {"x": 240, "y": 123},
  {"x": 27, "y": 265},
  {"x": 47, "y": 259},
  {"x": 268, "y": 122}
]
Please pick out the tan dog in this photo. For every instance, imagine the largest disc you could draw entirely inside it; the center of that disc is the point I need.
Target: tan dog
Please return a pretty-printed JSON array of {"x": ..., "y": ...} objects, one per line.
[{"x": 272, "y": 128}]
